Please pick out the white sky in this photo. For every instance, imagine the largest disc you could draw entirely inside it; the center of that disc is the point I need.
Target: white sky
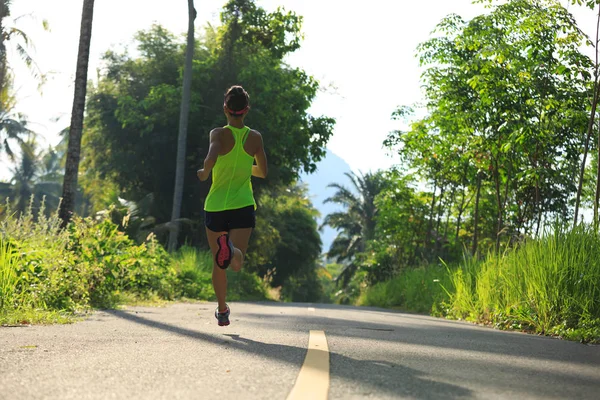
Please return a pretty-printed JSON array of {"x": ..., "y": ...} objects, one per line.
[{"x": 365, "y": 49}]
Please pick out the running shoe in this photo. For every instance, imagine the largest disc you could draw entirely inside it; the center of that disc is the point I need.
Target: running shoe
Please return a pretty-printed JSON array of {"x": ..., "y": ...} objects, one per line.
[{"x": 223, "y": 317}]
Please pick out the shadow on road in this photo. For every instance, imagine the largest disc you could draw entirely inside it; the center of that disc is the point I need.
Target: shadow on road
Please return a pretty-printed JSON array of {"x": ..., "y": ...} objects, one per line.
[
  {"x": 432, "y": 332},
  {"x": 373, "y": 376},
  {"x": 481, "y": 354}
]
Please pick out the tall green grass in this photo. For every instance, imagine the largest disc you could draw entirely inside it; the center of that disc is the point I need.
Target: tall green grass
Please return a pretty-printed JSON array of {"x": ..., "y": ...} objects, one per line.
[
  {"x": 418, "y": 290},
  {"x": 194, "y": 273},
  {"x": 548, "y": 285},
  {"x": 9, "y": 279}
]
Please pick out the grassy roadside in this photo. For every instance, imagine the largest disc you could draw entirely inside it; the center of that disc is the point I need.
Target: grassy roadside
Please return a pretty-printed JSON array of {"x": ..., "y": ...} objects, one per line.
[
  {"x": 549, "y": 286},
  {"x": 49, "y": 275}
]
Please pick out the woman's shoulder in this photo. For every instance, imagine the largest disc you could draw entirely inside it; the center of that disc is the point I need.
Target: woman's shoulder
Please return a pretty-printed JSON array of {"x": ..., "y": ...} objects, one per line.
[
  {"x": 217, "y": 132},
  {"x": 219, "y": 129},
  {"x": 254, "y": 133}
]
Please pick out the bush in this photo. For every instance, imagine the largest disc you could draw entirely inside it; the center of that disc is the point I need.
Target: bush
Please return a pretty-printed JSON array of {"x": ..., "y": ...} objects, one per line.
[
  {"x": 47, "y": 272},
  {"x": 112, "y": 263}
]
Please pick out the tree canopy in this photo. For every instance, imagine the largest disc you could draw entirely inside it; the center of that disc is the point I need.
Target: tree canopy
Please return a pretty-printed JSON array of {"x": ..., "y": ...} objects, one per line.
[{"x": 131, "y": 130}]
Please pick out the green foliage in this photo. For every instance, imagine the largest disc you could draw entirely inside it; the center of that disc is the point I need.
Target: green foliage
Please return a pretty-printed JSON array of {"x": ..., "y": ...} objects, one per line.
[
  {"x": 414, "y": 290},
  {"x": 356, "y": 224},
  {"x": 9, "y": 279},
  {"x": 90, "y": 263},
  {"x": 245, "y": 286},
  {"x": 286, "y": 245},
  {"x": 115, "y": 264},
  {"x": 194, "y": 278},
  {"x": 400, "y": 230},
  {"x": 550, "y": 285},
  {"x": 194, "y": 273},
  {"x": 37, "y": 175},
  {"x": 49, "y": 276},
  {"x": 327, "y": 281},
  {"x": 507, "y": 109},
  {"x": 47, "y": 273},
  {"x": 305, "y": 287},
  {"x": 131, "y": 125},
  {"x": 587, "y": 331}
]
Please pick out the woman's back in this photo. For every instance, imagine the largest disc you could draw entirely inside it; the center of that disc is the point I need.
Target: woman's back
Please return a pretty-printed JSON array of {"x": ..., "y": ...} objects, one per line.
[{"x": 231, "y": 185}]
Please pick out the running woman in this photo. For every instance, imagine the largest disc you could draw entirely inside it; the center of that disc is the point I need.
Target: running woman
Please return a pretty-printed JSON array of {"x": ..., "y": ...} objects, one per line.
[{"x": 229, "y": 207}]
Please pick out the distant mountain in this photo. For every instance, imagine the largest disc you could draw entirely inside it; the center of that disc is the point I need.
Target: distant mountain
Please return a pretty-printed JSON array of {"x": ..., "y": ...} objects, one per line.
[{"x": 330, "y": 170}]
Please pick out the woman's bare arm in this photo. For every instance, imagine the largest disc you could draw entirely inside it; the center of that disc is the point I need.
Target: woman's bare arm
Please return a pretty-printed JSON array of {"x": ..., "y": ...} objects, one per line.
[
  {"x": 211, "y": 157},
  {"x": 260, "y": 170}
]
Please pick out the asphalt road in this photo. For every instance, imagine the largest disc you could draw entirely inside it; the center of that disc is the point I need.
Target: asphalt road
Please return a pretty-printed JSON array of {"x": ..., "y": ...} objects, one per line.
[{"x": 179, "y": 352}]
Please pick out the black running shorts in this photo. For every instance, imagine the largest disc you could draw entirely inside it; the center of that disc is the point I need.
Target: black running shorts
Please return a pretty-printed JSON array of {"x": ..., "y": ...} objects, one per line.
[{"x": 224, "y": 221}]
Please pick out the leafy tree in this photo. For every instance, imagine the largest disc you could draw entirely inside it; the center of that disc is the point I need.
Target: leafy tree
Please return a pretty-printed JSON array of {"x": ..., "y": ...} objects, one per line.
[
  {"x": 400, "y": 232},
  {"x": 130, "y": 138},
  {"x": 286, "y": 245},
  {"x": 506, "y": 100}
]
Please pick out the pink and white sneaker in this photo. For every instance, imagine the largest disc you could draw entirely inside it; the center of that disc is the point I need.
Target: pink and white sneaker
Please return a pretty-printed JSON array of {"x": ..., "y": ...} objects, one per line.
[{"x": 225, "y": 253}]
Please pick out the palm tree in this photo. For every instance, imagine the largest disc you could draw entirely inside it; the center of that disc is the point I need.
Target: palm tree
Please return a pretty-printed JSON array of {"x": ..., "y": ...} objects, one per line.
[
  {"x": 37, "y": 174},
  {"x": 12, "y": 126},
  {"x": 24, "y": 174},
  {"x": 75, "y": 131},
  {"x": 21, "y": 45},
  {"x": 48, "y": 183},
  {"x": 356, "y": 225},
  {"x": 183, "y": 124}
]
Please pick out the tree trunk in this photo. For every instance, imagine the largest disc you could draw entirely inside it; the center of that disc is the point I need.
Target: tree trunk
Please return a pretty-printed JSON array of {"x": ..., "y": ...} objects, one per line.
[
  {"x": 596, "y": 203},
  {"x": 461, "y": 210},
  {"x": 537, "y": 190},
  {"x": 476, "y": 216},
  {"x": 499, "y": 202},
  {"x": 431, "y": 214},
  {"x": 76, "y": 128},
  {"x": 449, "y": 214},
  {"x": 183, "y": 125},
  {"x": 440, "y": 211},
  {"x": 590, "y": 125},
  {"x": 505, "y": 200},
  {"x": 521, "y": 216}
]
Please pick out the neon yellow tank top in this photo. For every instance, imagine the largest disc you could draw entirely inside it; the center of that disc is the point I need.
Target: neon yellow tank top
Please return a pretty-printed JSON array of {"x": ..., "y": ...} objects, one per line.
[{"x": 231, "y": 186}]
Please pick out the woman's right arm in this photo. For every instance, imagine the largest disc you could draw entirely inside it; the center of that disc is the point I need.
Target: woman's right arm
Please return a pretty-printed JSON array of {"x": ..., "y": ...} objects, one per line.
[
  {"x": 260, "y": 170},
  {"x": 211, "y": 157}
]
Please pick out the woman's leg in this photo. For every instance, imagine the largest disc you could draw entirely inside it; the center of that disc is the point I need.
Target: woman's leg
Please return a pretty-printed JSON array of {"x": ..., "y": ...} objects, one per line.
[
  {"x": 240, "y": 239},
  {"x": 219, "y": 276}
]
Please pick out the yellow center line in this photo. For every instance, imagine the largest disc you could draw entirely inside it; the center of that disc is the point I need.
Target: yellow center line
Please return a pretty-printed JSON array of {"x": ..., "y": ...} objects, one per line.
[{"x": 313, "y": 380}]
